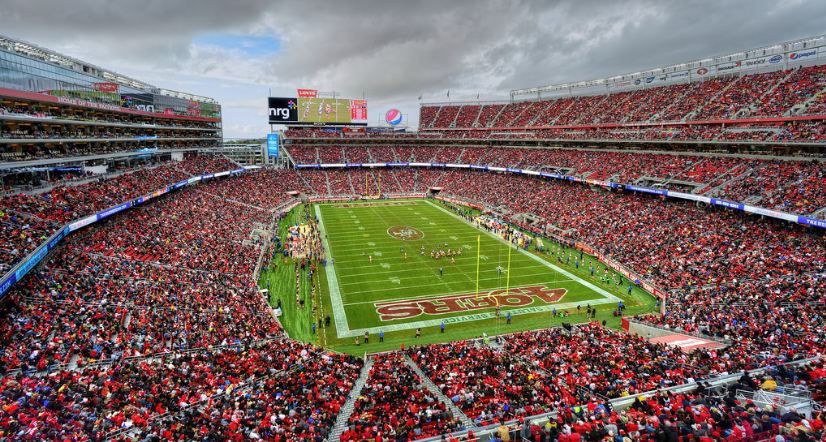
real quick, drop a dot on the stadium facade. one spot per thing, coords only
(53, 107)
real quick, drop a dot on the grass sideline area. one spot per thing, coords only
(398, 294)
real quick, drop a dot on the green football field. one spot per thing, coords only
(369, 285)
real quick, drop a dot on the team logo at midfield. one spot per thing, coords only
(405, 233)
(440, 305)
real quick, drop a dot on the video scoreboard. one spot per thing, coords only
(317, 111)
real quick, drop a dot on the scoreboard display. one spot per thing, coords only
(317, 111)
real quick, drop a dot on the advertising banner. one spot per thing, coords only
(802, 55)
(728, 68)
(105, 87)
(283, 110)
(308, 93)
(272, 145)
(761, 61)
(705, 71)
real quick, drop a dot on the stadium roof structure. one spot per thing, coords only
(33, 51)
(751, 59)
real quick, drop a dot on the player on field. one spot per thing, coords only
(306, 111)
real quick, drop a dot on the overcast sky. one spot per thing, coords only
(393, 51)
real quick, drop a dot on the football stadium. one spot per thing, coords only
(632, 249)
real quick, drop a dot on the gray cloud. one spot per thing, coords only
(396, 50)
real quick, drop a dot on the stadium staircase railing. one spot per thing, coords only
(347, 409)
(434, 389)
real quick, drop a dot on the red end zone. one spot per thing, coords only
(686, 343)
(439, 305)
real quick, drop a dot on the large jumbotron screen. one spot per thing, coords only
(317, 111)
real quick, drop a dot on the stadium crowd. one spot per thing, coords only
(164, 294)
(725, 97)
(150, 325)
(795, 186)
(394, 405)
(764, 300)
(26, 220)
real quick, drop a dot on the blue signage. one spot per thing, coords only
(272, 145)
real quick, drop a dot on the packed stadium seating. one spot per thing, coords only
(28, 219)
(794, 99)
(171, 296)
(649, 233)
(774, 94)
(794, 186)
(37, 130)
(394, 403)
(149, 324)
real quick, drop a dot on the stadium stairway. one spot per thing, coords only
(347, 409)
(437, 393)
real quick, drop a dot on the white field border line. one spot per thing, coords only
(332, 282)
(540, 260)
(472, 317)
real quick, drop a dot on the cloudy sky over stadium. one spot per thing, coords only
(393, 51)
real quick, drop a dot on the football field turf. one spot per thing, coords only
(394, 293)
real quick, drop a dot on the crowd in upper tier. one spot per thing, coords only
(93, 131)
(776, 94)
(781, 106)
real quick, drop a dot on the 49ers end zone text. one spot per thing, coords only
(440, 305)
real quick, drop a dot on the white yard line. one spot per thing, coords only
(332, 282)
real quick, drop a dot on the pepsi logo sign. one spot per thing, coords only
(805, 54)
(393, 117)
